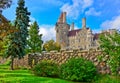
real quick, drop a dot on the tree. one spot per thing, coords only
(34, 39)
(3, 45)
(110, 44)
(6, 28)
(18, 40)
(5, 4)
(51, 45)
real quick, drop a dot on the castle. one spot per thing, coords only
(69, 38)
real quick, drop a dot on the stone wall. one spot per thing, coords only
(21, 62)
(2, 60)
(63, 56)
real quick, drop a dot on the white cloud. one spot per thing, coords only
(48, 32)
(92, 12)
(76, 27)
(112, 24)
(78, 6)
(96, 30)
(87, 3)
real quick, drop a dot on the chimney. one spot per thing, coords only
(64, 17)
(83, 22)
(59, 20)
(72, 26)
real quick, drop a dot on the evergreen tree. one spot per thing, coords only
(18, 40)
(34, 40)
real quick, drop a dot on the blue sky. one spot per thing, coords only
(100, 14)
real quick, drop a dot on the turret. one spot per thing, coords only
(72, 26)
(62, 30)
(83, 22)
(64, 17)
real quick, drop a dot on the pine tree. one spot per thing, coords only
(18, 40)
(34, 40)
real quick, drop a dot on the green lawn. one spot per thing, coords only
(24, 76)
(108, 79)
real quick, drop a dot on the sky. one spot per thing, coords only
(100, 14)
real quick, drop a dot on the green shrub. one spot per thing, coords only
(46, 69)
(78, 70)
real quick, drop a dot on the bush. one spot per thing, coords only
(78, 70)
(46, 69)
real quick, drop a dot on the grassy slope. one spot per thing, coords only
(108, 79)
(23, 76)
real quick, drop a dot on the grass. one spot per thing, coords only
(24, 76)
(108, 79)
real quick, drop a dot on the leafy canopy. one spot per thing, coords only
(51, 45)
(110, 44)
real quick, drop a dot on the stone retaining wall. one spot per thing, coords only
(63, 56)
(21, 62)
(2, 60)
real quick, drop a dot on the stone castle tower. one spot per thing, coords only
(70, 38)
(62, 29)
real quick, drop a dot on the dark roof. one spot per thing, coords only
(73, 32)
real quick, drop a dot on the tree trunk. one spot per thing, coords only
(12, 61)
